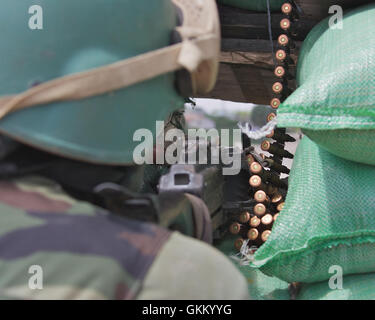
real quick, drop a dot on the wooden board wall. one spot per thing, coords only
(246, 72)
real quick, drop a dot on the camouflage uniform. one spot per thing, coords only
(87, 253)
(83, 106)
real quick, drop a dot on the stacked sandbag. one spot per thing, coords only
(328, 219)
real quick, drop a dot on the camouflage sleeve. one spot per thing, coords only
(54, 247)
(189, 269)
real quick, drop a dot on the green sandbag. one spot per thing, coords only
(335, 101)
(328, 219)
(256, 5)
(355, 287)
(261, 287)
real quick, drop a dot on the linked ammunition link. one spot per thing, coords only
(266, 187)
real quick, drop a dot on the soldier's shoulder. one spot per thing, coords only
(189, 269)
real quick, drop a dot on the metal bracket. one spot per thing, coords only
(182, 178)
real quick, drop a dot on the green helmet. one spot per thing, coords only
(77, 82)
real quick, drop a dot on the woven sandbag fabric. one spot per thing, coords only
(335, 100)
(328, 219)
(256, 5)
(355, 287)
(261, 287)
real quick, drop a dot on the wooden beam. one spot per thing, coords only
(250, 45)
(263, 60)
(259, 59)
(242, 82)
(244, 24)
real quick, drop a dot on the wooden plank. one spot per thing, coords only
(262, 60)
(239, 25)
(244, 24)
(251, 45)
(246, 45)
(243, 83)
(227, 87)
(246, 77)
